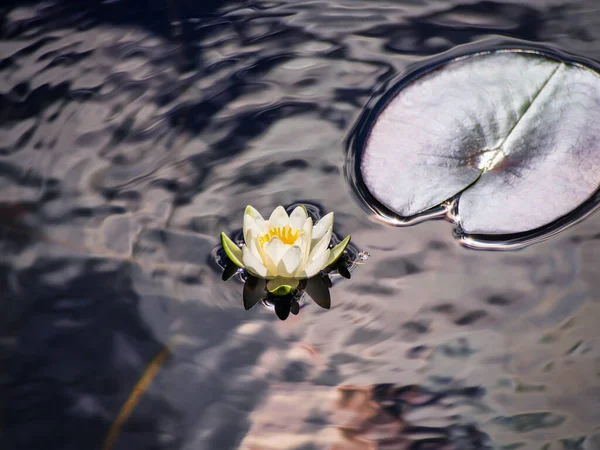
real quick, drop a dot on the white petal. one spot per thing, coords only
(251, 242)
(275, 248)
(298, 217)
(253, 264)
(253, 221)
(321, 228)
(320, 247)
(289, 262)
(301, 243)
(252, 212)
(307, 233)
(266, 259)
(279, 218)
(319, 263)
(250, 226)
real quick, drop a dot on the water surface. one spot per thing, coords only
(133, 133)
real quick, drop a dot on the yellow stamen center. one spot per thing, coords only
(287, 235)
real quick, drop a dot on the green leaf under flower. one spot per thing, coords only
(338, 250)
(282, 286)
(234, 253)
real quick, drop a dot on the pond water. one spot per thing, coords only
(132, 133)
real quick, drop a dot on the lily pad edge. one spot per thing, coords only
(448, 210)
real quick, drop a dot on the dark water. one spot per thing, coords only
(132, 133)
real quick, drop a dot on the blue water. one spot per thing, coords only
(132, 133)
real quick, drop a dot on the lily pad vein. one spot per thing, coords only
(498, 149)
(527, 108)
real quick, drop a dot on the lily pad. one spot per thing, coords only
(500, 143)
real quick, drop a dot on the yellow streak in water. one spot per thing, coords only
(139, 389)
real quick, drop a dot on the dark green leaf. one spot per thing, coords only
(282, 308)
(295, 308)
(230, 270)
(343, 271)
(317, 288)
(254, 291)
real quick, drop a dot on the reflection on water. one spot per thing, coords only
(355, 418)
(127, 145)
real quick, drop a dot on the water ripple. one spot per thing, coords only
(132, 133)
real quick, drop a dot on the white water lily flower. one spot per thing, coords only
(284, 249)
